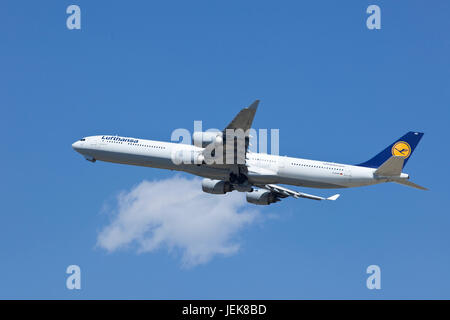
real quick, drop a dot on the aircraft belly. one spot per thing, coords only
(326, 180)
(289, 177)
(310, 183)
(263, 178)
(133, 159)
(206, 171)
(306, 178)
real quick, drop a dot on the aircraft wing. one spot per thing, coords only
(242, 122)
(283, 192)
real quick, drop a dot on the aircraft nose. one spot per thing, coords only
(76, 145)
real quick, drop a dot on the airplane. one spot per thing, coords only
(259, 175)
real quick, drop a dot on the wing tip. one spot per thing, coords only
(254, 105)
(334, 197)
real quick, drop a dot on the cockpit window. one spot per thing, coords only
(83, 139)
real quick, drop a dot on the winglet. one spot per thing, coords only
(334, 197)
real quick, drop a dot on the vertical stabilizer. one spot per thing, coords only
(403, 147)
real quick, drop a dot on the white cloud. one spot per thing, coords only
(176, 214)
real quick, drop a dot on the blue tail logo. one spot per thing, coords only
(402, 147)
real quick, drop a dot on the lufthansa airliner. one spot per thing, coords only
(226, 164)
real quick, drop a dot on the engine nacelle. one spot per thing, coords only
(261, 197)
(205, 138)
(216, 186)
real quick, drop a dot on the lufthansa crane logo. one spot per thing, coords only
(401, 148)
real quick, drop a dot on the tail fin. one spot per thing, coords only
(403, 147)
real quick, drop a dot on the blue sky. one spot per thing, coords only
(336, 90)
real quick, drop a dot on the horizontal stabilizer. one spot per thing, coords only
(410, 184)
(392, 167)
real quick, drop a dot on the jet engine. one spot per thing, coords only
(261, 197)
(205, 138)
(216, 186)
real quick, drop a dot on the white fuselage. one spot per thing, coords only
(262, 168)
